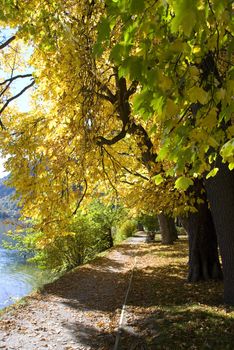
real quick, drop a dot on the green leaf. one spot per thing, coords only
(98, 49)
(183, 183)
(171, 108)
(117, 53)
(212, 173)
(103, 30)
(163, 153)
(133, 67)
(158, 103)
(227, 151)
(137, 6)
(141, 104)
(158, 179)
(185, 16)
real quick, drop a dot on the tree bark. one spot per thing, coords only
(220, 190)
(109, 238)
(140, 227)
(203, 247)
(173, 228)
(167, 228)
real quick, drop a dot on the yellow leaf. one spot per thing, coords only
(210, 120)
(171, 108)
(197, 94)
(212, 173)
(220, 94)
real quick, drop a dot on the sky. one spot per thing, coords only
(23, 102)
(2, 170)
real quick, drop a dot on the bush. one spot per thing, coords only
(149, 222)
(126, 230)
(89, 233)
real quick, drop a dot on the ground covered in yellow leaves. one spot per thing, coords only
(81, 310)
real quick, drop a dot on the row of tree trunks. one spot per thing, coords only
(220, 191)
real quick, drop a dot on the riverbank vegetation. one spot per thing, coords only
(92, 230)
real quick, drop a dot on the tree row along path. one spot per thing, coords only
(81, 310)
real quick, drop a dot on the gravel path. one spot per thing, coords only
(80, 311)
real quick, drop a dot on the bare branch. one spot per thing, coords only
(107, 174)
(10, 80)
(7, 42)
(103, 87)
(103, 141)
(132, 89)
(82, 197)
(105, 97)
(135, 173)
(16, 96)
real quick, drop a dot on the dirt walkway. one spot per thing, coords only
(79, 311)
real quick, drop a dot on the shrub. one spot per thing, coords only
(89, 233)
(126, 230)
(149, 222)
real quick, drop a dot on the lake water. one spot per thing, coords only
(17, 277)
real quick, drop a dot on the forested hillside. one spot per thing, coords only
(8, 206)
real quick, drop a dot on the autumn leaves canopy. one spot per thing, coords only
(131, 98)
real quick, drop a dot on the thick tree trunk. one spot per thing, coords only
(173, 228)
(140, 227)
(167, 228)
(203, 248)
(220, 191)
(109, 238)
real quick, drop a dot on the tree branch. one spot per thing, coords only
(105, 97)
(7, 42)
(10, 80)
(103, 141)
(82, 197)
(135, 173)
(132, 89)
(16, 96)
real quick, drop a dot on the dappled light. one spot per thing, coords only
(121, 173)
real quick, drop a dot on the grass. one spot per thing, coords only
(174, 314)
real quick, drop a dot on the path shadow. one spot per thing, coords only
(170, 329)
(102, 284)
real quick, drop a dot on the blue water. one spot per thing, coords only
(17, 277)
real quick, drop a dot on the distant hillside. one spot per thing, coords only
(4, 190)
(8, 206)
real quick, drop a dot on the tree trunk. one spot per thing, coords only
(203, 248)
(140, 226)
(173, 228)
(109, 238)
(167, 228)
(220, 190)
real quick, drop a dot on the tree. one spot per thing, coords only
(203, 247)
(222, 209)
(10, 63)
(167, 228)
(148, 106)
(181, 55)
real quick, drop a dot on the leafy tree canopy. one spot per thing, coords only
(136, 94)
